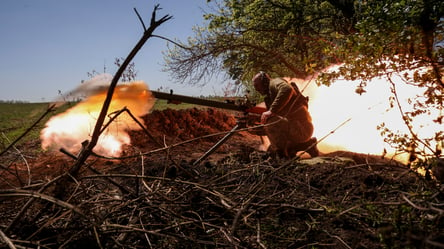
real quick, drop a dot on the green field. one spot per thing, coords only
(16, 118)
(162, 104)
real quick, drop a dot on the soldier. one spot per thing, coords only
(290, 126)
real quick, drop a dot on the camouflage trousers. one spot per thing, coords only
(286, 135)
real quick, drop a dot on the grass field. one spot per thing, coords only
(16, 118)
(162, 104)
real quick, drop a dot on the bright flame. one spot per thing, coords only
(356, 117)
(71, 128)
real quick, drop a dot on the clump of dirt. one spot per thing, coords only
(156, 197)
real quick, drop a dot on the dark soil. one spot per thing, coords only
(156, 196)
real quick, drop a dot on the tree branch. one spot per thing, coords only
(86, 152)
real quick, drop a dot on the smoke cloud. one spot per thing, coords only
(71, 128)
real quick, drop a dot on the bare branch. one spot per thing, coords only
(140, 19)
(19, 192)
(84, 154)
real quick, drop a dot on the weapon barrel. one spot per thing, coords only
(198, 101)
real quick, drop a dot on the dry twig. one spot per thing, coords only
(18, 192)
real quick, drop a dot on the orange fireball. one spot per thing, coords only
(69, 129)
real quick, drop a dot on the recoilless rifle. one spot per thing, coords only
(242, 105)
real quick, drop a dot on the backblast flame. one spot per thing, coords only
(348, 121)
(71, 128)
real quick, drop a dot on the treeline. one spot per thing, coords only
(14, 102)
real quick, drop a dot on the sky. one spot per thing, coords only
(48, 46)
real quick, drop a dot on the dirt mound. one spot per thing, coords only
(184, 124)
(189, 123)
(194, 130)
(361, 158)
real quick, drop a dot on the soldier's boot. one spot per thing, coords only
(310, 147)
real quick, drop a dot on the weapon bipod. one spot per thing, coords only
(241, 123)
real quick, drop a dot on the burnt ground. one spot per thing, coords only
(156, 197)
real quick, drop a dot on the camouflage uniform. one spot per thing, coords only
(291, 128)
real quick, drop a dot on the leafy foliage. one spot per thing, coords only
(298, 38)
(403, 39)
(281, 37)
